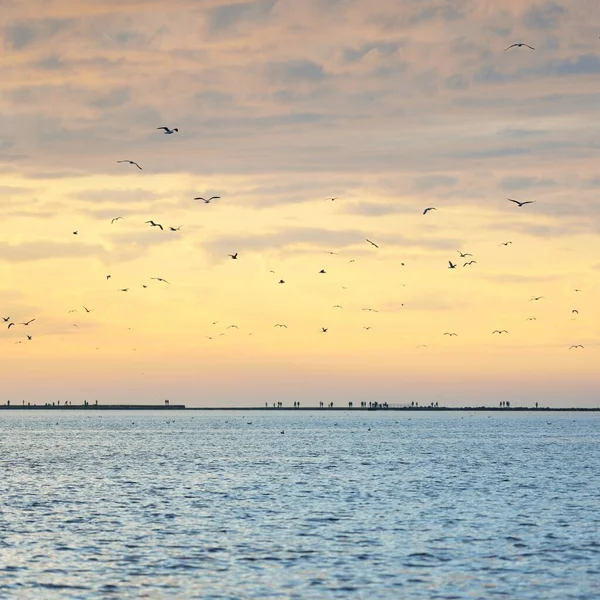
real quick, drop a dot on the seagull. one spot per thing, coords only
(281, 281)
(499, 331)
(29, 337)
(505, 243)
(575, 311)
(322, 271)
(577, 290)
(234, 326)
(280, 325)
(108, 277)
(153, 224)
(6, 319)
(208, 337)
(351, 261)
(27, 323)
(75, 232)
(372, 243)
(521, 203)
(535, 298)
(452, 265)
(10, 325)
(531, 319)
(472, 262)
(337, 306)
(208, 200)
(464, 254)
(367, 328)
(233, 256)
(160, 279)
(519, 45)
(169, 131)
(175, 228)
(324, 329)
(88, 310)
(124, 290)
(131, 162)
(576, 346)
(331, 199)
(115, 219)
(370, 309)
(329, 252)
(428, 209)
(451, 334)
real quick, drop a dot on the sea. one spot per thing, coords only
(300, 505)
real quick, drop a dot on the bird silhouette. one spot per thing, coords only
(160, 279)
(576, 346)
(175, 228)
(124, 290)
(372, 243)
(27, 322)
(451, 334)
(153, 224)
(536, 298)
(505, 243)
(519, 45)
(281, 281)
(500, 331)
(428, 209)
(464, 254)
(131, 162)
(471, 262)
(115, 219)
(233, 256)
(452, 265)
(169, 131)
(280, 325)
(324, 329)
(322, 271)
(520, 204)
(88, 310)
(6, 319)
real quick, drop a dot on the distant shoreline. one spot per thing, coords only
(182, 407)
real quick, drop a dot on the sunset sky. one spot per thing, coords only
(390, 106)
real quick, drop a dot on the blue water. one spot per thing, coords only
(340, 505)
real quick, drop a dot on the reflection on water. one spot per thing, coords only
(299, 505)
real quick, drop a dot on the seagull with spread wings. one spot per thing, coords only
(153, 224)
(131, 162)
(169, 131)
(372, 243)
(208, 200)
(520, 204)
(519, 45)
(428, 209)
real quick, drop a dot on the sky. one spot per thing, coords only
(391, 107)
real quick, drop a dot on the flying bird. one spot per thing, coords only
(518, 45)
(576, 346)
(337, 306)
(131, 162)
(234, 326)
(331, 199)
(428, 209)
(452, 265)
(27, 323)
(521, 203)
(175, 228)
(575, 311)
(160, 279)
(29, 337)
(169, 131)
(108, 277)
(329, 252)
(281, 281)
(88, 310)
(531, 319)
(124, 290)
(233, 256)
(370, 309)
(153, 224)
(351, 261)
(500, 331)
(464, 254)
(6, 319)
(322, 271)
(75, 233)
(280, 325)
(535, 298)
(324, 329)
(451, 334)
(472, 262)
(115, 219)
(10, 325)
(208, 200)
(505, 243)
(367, 328)
(372, 243)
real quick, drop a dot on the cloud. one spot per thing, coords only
(20, 35)
(431, 182)
(222, 18)
(544, 16)
(43, 250)
(297, 70)
(377, 209)
(518, 182)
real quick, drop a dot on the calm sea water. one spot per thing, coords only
(341, 505)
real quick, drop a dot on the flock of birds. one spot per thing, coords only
(235, 255)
